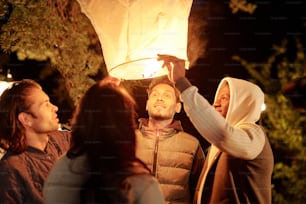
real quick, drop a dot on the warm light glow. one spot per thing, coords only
(9, 76)
(139, 69)
(133, 32)
(4, 85)
(263, 107)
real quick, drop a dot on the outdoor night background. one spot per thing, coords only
(252, 37)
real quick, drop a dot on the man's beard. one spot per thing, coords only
(160, 117)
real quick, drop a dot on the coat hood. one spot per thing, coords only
(246, 100)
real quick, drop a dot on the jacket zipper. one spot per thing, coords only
(155, 154)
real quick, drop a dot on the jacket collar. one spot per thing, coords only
(164, 133)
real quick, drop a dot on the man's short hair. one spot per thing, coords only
(163, 80)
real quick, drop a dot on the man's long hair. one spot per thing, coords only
(12, 102)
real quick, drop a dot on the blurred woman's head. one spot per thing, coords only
(104, 125)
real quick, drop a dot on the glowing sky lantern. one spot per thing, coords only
(133, 32)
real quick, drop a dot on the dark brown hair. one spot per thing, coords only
(12, 102)
(103, 127)
(163, 80)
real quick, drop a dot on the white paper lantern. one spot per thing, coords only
(133, 32)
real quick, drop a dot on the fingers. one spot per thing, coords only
(169, 58)
(174, 61)
(169, 66)
(170, 75)
(176, 66)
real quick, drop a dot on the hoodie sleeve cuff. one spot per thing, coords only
(182, 84)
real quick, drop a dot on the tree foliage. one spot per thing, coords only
(54, 31)
(285, 124)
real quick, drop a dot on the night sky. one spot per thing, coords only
(249, 36)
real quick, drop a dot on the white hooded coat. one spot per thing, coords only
(239, 165)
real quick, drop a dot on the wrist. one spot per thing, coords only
(182, 83)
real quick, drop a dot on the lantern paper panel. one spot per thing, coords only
(133, 32)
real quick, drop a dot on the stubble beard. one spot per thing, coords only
(159, 117)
